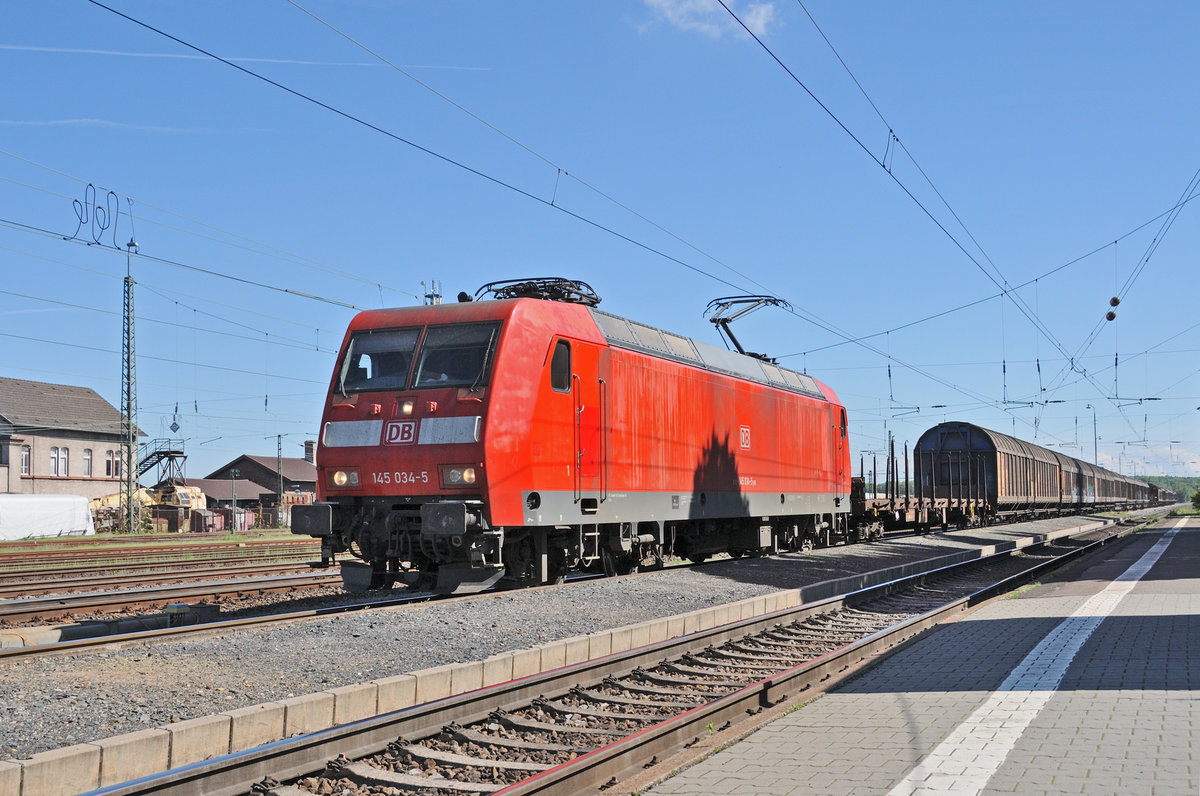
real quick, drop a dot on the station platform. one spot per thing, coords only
(1088, 684)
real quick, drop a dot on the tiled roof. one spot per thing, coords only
(36, 405)
(293, 469)
(222, 489)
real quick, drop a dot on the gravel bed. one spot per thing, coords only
(59, 701)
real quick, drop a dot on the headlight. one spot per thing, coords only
(344, 478)
(458, 476)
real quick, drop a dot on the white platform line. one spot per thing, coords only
(973, 752)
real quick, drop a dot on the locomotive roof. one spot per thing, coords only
(624, 333)
(1019, 447)
(617, 331)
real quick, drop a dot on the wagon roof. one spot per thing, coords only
(1019, 447)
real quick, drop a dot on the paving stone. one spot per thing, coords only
(1122, 718)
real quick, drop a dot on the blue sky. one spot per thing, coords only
(652, 149)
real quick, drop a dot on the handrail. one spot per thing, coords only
(603, 440)
(576, 391)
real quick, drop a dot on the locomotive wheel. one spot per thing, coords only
(557, 567)
(520, 565)
(699, 558)
(807, 544)
(736, 554)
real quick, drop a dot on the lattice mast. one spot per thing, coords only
(130, 505)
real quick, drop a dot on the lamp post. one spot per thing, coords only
(1095, 453)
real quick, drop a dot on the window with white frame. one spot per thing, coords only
(54, 461)
(64, 469)
(87, 462)
(108, 464)
(25, 457)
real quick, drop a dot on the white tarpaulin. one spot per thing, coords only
(44, 515)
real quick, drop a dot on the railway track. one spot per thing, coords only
(585, 726)
(65, 605)
(32, 587)
(41, 563)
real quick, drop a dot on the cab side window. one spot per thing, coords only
(560, 367)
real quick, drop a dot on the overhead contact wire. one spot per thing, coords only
(1003, 287)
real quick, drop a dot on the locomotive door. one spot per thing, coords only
(590, 391)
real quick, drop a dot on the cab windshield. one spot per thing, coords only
(378, 360)
(456, 356)
(449, 356)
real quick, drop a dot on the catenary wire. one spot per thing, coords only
(276, 341)
(1000, 283)
(994, 296)
(265, 249)
(805, 316)
(17, 225)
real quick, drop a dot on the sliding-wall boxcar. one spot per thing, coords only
(978, 472)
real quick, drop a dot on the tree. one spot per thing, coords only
(1196, 500)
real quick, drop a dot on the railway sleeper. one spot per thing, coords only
(767, 643)
(741, 653)
(649, 690)
(803, 647)
(767, 652)
(613, 699)
(705, 670)
(467, 735)
(816, 632)
(687, 682)
(418, 752)
(530, 725)
(563, 709)
(368, 775)
(272, 788)
(738, 667)
(829, 636)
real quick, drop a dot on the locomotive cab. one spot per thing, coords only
(400, 462)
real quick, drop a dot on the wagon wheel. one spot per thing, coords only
(618, 564)
(420, 581)
(384, 572)
(656, 558)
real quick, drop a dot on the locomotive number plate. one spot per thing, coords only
(400, 477)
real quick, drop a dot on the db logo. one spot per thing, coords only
(400, 432)
(745, 438)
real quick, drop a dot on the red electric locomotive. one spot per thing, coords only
(514, 439)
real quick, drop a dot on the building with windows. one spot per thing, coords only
(56, 439)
